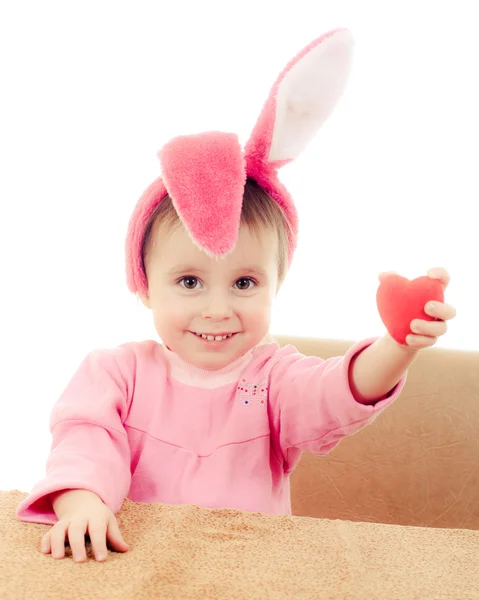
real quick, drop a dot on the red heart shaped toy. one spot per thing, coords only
(400, 300)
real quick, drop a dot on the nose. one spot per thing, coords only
(217, 307)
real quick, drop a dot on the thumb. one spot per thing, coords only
(113, 535)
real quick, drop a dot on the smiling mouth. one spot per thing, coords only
(211, 338)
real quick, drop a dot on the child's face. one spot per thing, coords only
(191, 293)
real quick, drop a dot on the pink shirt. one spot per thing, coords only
(137, 421)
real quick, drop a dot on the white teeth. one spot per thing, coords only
(217, 338)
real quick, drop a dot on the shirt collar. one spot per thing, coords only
(187, 373)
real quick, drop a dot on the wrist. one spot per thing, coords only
(396, 347)
(64, 500)
(375, 370)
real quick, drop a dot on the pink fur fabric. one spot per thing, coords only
(135, 274)
(205, 175)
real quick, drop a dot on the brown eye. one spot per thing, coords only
(243, 284)
(189, 282)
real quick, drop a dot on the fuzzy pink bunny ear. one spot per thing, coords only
(205, 176)
(302, 98)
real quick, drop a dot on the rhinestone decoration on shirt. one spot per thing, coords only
(250, 393)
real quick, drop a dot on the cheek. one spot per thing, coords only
(170, 309)
(259, 310)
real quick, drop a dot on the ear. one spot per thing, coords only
(145, 300)
(302, 98)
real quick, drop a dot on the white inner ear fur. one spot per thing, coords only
(308, 93)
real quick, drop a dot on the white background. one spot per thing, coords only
(91, 90)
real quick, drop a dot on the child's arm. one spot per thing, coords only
(375, 371)
(312, 404)
(90, 447)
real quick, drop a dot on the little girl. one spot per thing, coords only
(213, 415)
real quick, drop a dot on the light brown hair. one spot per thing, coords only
(259, 212)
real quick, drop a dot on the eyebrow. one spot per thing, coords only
(190, 269)
(253, 269)
(184, 269)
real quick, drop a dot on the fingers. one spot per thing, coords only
(99, 531)
(428, 328)
(46, 546)
(441, 274)
(114, 536)
(440, 310)
(76, 538)
(420, 341)
(54, 540)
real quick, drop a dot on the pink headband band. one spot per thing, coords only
(205, 174)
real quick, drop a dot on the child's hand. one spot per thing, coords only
(81, 512)
(427, 332)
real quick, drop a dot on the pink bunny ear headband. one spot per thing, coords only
(205, 174)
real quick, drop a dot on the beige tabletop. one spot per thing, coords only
(185, 552)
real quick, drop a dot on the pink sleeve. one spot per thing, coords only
(90, 448)
(314, 402)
